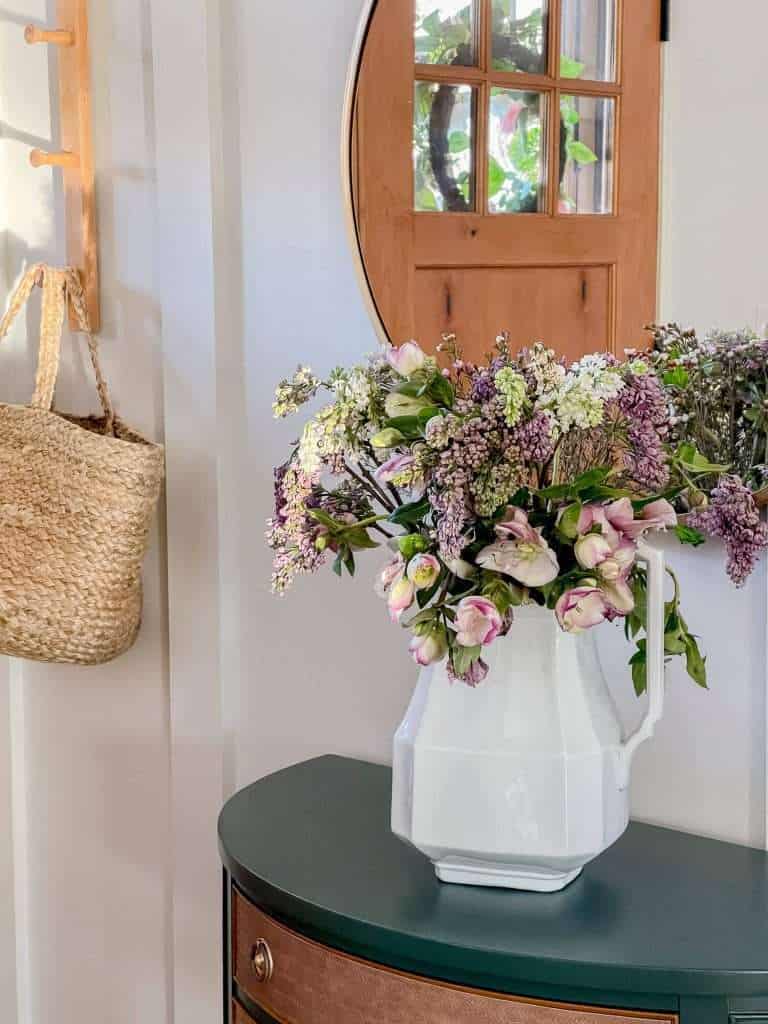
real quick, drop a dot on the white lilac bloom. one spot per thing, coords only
(355, 388)
(580, 399)
(310, 458)
(512, 387)
(324, 438)
(294, 392)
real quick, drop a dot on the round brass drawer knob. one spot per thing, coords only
(261, 959)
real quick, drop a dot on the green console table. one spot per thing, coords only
(329, 919)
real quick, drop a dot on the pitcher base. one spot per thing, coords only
(499, 876)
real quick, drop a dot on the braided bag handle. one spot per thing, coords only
(62, 289)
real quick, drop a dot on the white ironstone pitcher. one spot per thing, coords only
(521, 782)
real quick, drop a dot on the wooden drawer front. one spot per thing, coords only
(315, 985)
(239, 1016)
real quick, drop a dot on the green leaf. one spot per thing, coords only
(420, 618)
(690, 458)
(580, 153)
(568, 526)
(591, 478)
(503, 594)
(604, 493)
(569, 114)
(423, 597)
(570, 68)
(463, 657)
(639, 671)
(695, 663)
(349, 561)
(677, 378)
(689, 535)
(425, 199)
(411, 512)
(441, 390)
(496, 177)
(458, 142)
(674, 643)
(338, 565)
(409, 426)
(326, 520)
(555, 493)
(359, 539)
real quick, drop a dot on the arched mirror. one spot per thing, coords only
(504, 169)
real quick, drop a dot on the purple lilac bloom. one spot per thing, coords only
(535, 439)
(479, 441)
(643, 404)
(483, 385)
(291, 533)
(734, 517)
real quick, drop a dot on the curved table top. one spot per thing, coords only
(661, 914)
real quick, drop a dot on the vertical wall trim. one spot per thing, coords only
(186, 75)
(20, 834)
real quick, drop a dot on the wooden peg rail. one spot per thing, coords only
(75, 158)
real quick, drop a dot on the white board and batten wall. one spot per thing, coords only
(225, 262)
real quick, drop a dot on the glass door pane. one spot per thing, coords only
(516, 152)
(443, 147)
(519, 36)
(445, 32)
(587, 154)
(588, 42)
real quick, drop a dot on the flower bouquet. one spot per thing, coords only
(518, 481)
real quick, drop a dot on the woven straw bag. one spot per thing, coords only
(77, 498)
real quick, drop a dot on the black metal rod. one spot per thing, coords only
(665, 18)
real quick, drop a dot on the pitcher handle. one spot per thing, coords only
(654, 560)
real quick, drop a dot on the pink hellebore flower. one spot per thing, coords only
(619, 563)
(523, 554)
(592, 550)
(429, 648)
(407, 359)
(475, 674)
(401, 597)
(423, 571)
(512, 116)
(393, 467)
(532, 563)
(613, 519)
(388, 575)
(581, 608)
(478, 622)
(619, 595)
(516, 526)
(464, 570)
(595, 551)
(656, 516)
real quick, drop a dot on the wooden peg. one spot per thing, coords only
(54, 36)
(39, 158)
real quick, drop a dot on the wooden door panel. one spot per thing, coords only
(533, 263)
(567, 307)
